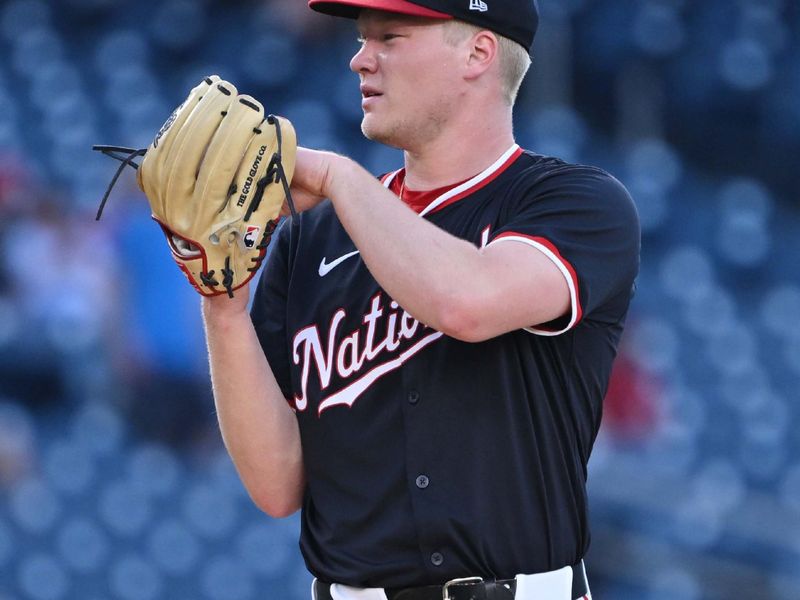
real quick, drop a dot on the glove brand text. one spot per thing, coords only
(248, 183)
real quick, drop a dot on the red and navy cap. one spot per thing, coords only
(514, 19)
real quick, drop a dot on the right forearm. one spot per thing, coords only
(258, 427)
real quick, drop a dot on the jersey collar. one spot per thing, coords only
(447, 195)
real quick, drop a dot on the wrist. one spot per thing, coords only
(222, 306)
(341, 171)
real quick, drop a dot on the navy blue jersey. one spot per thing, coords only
(428, 458)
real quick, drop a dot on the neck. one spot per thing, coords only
(460, 151)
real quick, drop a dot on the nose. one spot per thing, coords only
(364, 60)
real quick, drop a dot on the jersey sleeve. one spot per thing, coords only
(268, 311)
(584, 221)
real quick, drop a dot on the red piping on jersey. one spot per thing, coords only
(578, 309)
(419, 200)
(393, 177)
(481, 184)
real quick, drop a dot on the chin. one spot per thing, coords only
(375, 133)
(380, 133)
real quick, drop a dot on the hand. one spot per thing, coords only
(313, 173)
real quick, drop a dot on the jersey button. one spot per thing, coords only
(437, 559)
(423, 482)
(413, 396)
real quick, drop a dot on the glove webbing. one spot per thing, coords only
(112, 151)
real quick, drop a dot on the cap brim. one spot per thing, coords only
(351, 8)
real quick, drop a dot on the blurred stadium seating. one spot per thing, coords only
(113, 481)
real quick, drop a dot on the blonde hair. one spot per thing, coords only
(514, 60)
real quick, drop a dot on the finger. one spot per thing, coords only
(163, 141)
(289, 147)
(228, 151)
(151, 175)
(192, 141)
(254, 167)
(288, 155)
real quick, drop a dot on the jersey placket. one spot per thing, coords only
(423, 488)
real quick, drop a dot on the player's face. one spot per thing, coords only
(409, 78)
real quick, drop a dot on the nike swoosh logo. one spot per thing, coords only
(325, 267)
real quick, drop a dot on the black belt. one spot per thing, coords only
(468, 588)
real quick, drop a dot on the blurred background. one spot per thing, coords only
(113, 479)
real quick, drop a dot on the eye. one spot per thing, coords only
(385, 37)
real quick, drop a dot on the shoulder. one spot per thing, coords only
(537, 168)
(547, 178)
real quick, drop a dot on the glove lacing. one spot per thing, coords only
(127, 159)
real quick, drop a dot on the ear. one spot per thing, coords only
(483, 50)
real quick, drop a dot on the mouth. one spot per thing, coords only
(369, 98)
(369, 92)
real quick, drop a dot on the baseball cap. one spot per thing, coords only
(514, 19)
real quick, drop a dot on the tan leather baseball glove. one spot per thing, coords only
(216, 176)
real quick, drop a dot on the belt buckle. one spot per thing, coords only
(459, 581)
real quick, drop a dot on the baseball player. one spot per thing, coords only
(423, 368)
